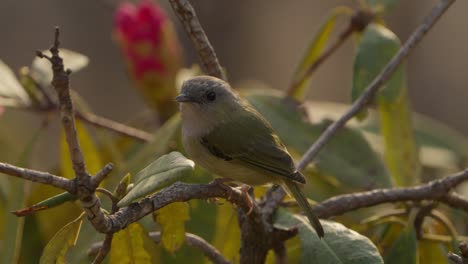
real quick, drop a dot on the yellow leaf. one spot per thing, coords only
(172, 220)
(90, 151)
(401, 149)
(227, 237)
(57, 248)
(431, 252)
(128, 246)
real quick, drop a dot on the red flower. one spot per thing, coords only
(151, 50)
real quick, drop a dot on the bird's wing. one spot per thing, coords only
(250, 141)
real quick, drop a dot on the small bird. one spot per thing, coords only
(224, 134)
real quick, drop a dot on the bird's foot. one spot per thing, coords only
(245, 190)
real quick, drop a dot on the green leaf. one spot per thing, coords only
(348, 158)
(404, 249)
(12, 92)
(57, 248)
(90, 152)
(340, 244)
(47, 204)
(128, 246)
(172, 219)
(315, 49)
(376, 48)
(160, 173)
(17, 197)
(41, 70)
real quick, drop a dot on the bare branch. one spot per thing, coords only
(38, 176)
(101, 175)
(60, 82)
(436, 190)
(187, 16)
(368, 95)
(84, 185)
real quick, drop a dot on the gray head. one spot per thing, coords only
(205, 90)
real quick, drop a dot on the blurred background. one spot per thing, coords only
(255, 40)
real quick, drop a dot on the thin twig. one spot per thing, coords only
(187, 16)
(369, 93)
(114, 126)
(101, 175)
(191, 239)
(358, 22)
(104, 249)
(37, 176)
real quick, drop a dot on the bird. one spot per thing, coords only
(224, 134)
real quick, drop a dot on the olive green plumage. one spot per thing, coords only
(226, 135)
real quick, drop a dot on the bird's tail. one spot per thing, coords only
(305, 206)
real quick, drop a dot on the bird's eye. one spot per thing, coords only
(211, 96)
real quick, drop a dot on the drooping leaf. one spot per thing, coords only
(172, 219)
(57, 248)
(160, 173)
(401, 149)
(41, 69)
(404, 249)
(430, 252)
(11, 92)
(46, 204)
(347, 158)
(128, 246)
(376, 48)
(315, 49)
(339, 245)
(17, 197)
(90, 152)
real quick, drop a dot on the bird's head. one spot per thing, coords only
(207, 97)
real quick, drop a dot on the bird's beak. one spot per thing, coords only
(181, 98)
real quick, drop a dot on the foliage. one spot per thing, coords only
(386, 146)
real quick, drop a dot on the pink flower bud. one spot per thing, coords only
(151, 50)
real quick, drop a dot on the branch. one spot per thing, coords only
(368, 95)
(206, 53)
(436, 190)
(60, 82)
(463, 257)
(84, 185)
(38, 176)
(191, 239)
